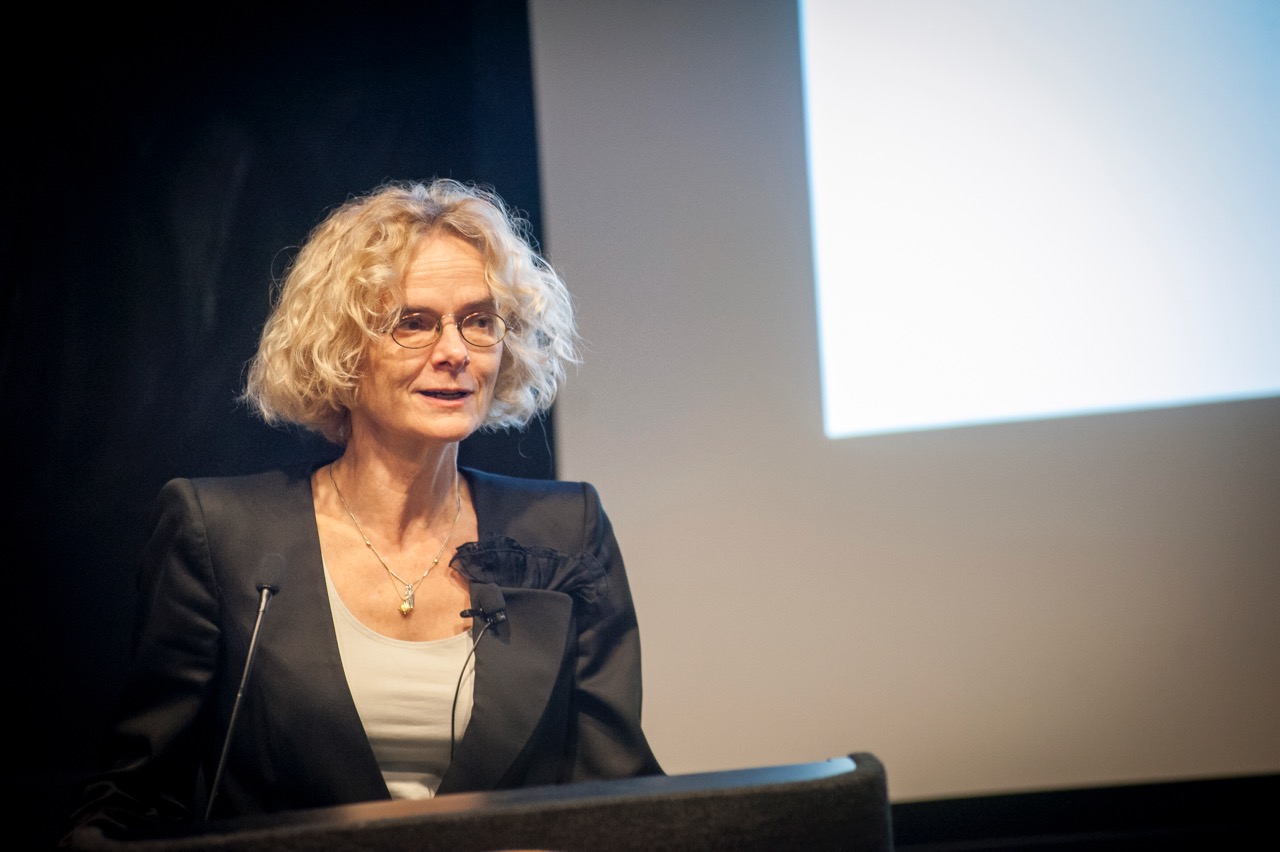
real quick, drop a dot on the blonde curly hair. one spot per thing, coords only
(345, 286)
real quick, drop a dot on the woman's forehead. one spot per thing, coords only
(444, 265)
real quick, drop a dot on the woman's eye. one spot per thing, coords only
(415, 322)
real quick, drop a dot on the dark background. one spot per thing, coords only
(161, 172)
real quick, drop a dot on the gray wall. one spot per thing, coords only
(1070, 602)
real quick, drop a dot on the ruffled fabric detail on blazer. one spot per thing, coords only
(505, 562)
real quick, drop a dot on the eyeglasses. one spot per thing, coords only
(419, 330)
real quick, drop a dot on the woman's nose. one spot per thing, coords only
(451, 348)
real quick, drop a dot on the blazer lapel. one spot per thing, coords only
(298, 655)
(520, 664)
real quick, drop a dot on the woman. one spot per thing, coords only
(421, 629)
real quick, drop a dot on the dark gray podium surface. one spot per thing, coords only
(837, 804)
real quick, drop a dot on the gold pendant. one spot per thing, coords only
(406, 606)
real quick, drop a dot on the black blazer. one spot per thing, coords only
(557, 684)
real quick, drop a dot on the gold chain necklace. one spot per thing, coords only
(406, 597)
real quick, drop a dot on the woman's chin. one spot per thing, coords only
(451, 429)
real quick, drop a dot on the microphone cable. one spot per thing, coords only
(453, 713)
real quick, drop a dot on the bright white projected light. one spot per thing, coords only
(1035, 208)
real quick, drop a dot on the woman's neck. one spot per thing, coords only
(398, 493)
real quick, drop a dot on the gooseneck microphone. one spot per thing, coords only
(491, 607)
(270, 570)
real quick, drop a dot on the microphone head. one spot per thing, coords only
(490, 599)
(271, 569)
(490, 604)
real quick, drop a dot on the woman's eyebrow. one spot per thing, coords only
(463, 310)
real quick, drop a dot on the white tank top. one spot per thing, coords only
(404, 693)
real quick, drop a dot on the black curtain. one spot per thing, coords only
(160, 170)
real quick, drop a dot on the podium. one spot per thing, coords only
(837, 804)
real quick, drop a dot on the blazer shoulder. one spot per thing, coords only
(230, 506)
(495, 489)
(561, 514)
(265, 483)
(255, 491)
(525, 485)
